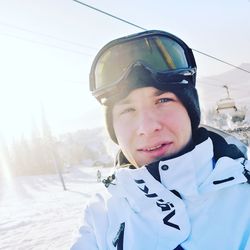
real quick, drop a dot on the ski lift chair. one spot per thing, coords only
(226, 104)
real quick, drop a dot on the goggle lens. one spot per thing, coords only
(158, 52)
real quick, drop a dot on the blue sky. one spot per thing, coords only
(47, 47)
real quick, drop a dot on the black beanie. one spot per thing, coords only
(141, 77)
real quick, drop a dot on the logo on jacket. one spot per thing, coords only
(163, 205)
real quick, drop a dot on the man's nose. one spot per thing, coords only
(148, 123)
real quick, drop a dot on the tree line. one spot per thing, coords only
(45, 154)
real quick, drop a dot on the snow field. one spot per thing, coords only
(36, 213)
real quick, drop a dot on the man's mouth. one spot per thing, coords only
(155, 151)
(154, 148)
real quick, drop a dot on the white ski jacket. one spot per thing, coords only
(197, 205)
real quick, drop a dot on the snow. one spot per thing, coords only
(36, 213)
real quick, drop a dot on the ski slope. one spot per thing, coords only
(36, 213)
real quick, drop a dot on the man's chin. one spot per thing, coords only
(159, 158)
(167, 156)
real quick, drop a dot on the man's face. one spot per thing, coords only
(150, 124)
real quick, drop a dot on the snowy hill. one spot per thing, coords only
(37, 214)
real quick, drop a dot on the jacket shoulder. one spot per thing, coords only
(92, 232)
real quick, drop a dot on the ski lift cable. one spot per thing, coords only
(222, 61)
(45, 44)
(46, 35)
(137, 26)
(108, 14)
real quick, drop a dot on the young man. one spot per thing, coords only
(176, 186)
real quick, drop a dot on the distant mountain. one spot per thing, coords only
(234, 75)
(211, 88)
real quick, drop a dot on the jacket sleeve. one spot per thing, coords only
(86, 239)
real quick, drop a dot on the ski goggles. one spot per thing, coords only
(168, 58)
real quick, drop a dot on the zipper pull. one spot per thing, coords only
(118, 240)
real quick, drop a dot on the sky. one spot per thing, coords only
(47, 47)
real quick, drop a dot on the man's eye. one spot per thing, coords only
(127, 110)
(162, 100)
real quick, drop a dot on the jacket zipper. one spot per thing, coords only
(118, 240)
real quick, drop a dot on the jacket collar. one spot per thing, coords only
(220, 148)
